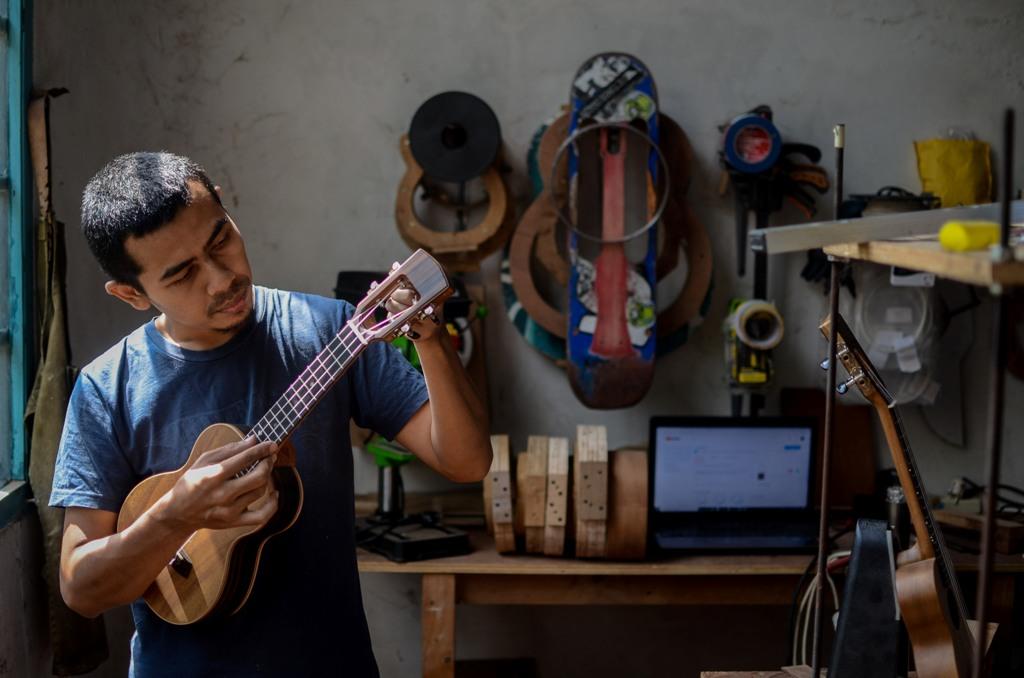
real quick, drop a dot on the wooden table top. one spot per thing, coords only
(485, 560)
(976, 268)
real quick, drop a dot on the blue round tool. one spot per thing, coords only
(752, 144)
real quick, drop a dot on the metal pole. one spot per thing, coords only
(830, 403)
(995, 429)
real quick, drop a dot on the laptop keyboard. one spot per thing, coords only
(739, 535)
(737, 529)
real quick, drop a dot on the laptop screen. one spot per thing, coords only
(726, 463)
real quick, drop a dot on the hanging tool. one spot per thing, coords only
(765, 173)
(393, 533)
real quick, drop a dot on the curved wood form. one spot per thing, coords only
(537, 235)
(540, 214)
(214, 570)
(627, 505)
(590, 491)
(683, 231)
(457, 250)
(557, 500)
(688, 305)
(536, 238)
(498, 497)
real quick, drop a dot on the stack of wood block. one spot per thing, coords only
(596, 510)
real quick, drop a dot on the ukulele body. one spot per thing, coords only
(214, 571)
(941, 641)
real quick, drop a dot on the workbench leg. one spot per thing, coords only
(438, 625)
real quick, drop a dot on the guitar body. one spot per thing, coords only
(215, 569)
(941, 640)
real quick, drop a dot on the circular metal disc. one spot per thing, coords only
(454, 136)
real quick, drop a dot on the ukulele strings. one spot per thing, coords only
(275, 425)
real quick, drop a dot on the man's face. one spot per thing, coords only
(195, 271)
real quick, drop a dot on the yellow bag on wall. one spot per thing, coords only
(958, 171)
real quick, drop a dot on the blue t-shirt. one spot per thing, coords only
(137, 410)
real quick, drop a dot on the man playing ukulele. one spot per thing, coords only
(223, 350)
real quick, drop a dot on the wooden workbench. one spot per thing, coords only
(485, 577)
(925, 254)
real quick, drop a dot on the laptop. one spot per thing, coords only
(733, 484)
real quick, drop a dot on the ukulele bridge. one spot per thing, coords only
(181, 563)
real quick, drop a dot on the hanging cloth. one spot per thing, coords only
(79, 644)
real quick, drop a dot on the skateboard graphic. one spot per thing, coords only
(613, 171)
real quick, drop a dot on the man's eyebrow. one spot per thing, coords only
(178, 268)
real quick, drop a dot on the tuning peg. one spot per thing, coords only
(405, 328)
(839, 354)
(374, 285)
(845, 386)
(429, 310)
(395, 266)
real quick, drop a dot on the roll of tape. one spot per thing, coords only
(752, 144)
(758, 324)
(454, 136)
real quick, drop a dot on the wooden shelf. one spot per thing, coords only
(485, 560)
(975, 268)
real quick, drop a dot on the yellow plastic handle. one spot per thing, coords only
(964, 236)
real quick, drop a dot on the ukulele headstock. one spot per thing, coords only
(420, 273)
(862, 373)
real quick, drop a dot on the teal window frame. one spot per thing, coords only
(17, 194)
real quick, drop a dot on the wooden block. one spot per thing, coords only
(967, 527)
(534, 493)
(556, 511)
(590, 490)
(498, 496)
(627, 505)
(518, 505)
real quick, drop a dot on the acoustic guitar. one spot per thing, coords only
(926, 587)
(214, 570)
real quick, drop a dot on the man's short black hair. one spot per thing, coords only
(135, 194)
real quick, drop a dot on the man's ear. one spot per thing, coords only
(129, 294)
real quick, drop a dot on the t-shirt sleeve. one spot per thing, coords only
(91, 469)
(387, 390)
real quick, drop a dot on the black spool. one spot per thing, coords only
(454, 136)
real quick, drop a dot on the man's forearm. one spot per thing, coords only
(114, 570)
(459, 431)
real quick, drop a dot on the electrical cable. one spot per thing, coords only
(805, 613)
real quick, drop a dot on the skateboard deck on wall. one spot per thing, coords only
(612, 175)
(536, 259)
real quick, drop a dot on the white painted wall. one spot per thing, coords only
(296, 109)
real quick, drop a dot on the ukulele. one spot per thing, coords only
(214, 570)
(926, 587)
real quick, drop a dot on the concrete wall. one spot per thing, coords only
(296, 109)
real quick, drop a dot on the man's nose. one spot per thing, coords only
(219, 279)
